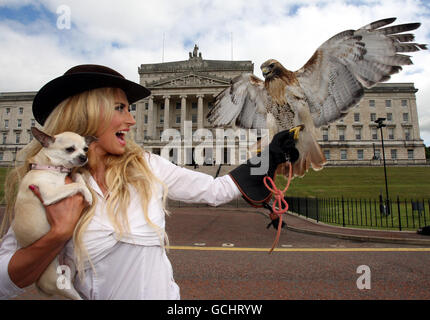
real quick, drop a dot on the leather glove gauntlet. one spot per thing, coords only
(281, 149)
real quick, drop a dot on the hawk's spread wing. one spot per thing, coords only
(242, 104)
(334, 77)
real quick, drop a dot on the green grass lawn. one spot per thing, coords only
(355, 183)
(361, 183)
(350, 182)
(360, 188)
(3, 172)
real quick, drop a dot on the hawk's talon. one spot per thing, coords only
(296, 131)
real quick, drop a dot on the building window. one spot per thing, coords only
(377, 154)
(194, 118)
(410, 154)
(358, 133)
(325, 134)
(391, 133)
(178, 119)
(21, 110)
(356, 117)
(4, 137)
(394, 154)
(146, 105)
(374, 134)
(343, 154)
(372, 116)
(371, 103)
(145, 134)
(360, 154)
(162, 118)
(162, 106)
(19, 124)
(145, 119)
(388, 103)
(194, 105)
(341, 134)
(7, 110)
(389, 117)
(327, 154)
(6, 124)
(178, 106)
(243, 155)
(18, 137)
(407, 134)
(404, 103)
(1, 156)
(406, 117)
(133, 107)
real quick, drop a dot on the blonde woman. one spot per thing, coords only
(118, 243)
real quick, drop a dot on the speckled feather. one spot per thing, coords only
(322, 91)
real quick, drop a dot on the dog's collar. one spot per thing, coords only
(35, 166)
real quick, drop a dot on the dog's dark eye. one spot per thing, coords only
(70, 149)
(85, 149)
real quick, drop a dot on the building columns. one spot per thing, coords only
(200, 110)
(183, 112)
(166, 112)
(140, 107)
(151, 118)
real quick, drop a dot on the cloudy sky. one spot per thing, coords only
(41, 39)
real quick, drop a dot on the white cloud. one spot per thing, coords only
(260, 29)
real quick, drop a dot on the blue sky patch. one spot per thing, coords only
(27, 14)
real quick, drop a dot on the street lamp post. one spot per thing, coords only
(381, 124)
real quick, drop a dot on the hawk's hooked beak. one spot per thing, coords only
(265, 71)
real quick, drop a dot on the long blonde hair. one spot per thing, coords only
(84, 114)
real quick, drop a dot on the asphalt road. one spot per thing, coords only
(223, 254)
(215, 255)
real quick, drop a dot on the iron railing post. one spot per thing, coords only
(343, 213)
(398, 210)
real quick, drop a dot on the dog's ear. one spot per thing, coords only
(44, 139)
(90, 139)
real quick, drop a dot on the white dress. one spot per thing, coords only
(134, 266)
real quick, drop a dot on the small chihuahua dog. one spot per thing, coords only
(49, 168)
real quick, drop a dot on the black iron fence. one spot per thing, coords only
(405, 214)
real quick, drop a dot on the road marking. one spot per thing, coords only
(302, 249)
(228, 244)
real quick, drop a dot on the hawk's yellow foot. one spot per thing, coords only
(296, 131)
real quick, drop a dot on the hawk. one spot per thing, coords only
(331, 82)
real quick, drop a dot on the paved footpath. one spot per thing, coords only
(301, 224)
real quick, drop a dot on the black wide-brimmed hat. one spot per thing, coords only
(79, 79)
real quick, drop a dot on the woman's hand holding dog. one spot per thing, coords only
(63, 215)
(27, 264)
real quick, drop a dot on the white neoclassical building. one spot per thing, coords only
(184, 91)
